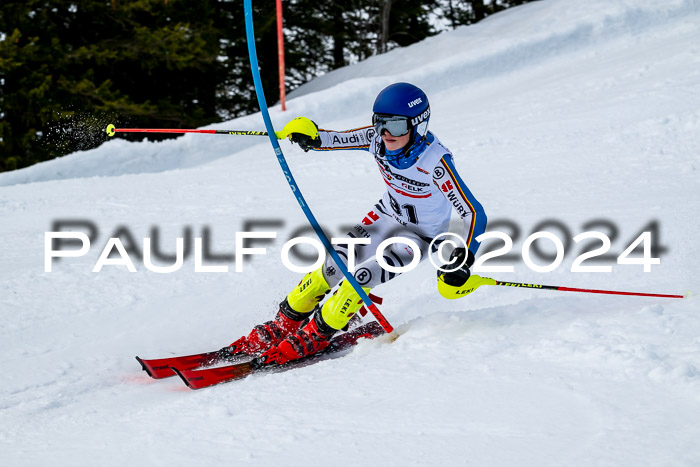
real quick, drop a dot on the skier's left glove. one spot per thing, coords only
(458, 277)
(303, 132)
(305, 142)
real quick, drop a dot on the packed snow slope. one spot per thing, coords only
(583, 114)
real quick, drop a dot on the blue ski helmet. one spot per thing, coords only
(407, 100)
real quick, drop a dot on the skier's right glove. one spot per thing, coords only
(458, 277)
(303, 132)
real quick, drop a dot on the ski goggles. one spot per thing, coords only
(396, 125)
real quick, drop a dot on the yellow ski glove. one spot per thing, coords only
(302, 131)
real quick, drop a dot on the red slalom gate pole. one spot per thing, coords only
(280, 54)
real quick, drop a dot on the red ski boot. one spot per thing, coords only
(313, 337)
(307, 341)
(299, 305)
(271, 333)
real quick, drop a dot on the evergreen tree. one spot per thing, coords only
(152, 62)
(67, 68)
(464, 12)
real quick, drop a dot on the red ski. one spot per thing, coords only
(159, 368)
(197, 379)
(162, 367)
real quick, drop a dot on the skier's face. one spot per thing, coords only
(393, 143)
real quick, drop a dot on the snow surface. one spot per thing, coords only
(559, 109)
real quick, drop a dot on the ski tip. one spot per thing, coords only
(207, 377)
(144, 367)
(110, 130)
(182, 377)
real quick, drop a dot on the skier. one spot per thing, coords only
(423, 187)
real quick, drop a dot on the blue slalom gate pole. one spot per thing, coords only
(250, 37)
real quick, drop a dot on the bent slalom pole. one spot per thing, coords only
(111, 131)
(474, 282)
(250, 37)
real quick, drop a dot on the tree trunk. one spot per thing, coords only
(386, 14)
(479, 10)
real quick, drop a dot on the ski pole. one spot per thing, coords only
(474, 282)
(574, 289)
(111, 131)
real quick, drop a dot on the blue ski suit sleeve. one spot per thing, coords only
(466, 204)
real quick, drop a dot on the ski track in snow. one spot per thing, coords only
(574, 111)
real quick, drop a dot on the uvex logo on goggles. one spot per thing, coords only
(396, 125)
